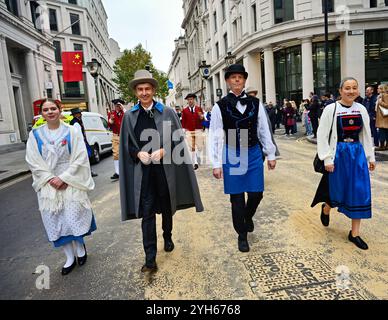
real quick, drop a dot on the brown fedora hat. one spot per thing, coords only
(143, 76)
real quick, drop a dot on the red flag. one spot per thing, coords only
(72, 66)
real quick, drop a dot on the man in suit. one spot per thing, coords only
(151, 181)
(192, 118)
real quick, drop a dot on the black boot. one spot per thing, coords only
(169, 245)
(243, 244)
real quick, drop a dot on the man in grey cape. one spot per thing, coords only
(156, 173)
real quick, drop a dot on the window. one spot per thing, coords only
(330, 6)
(373, 3)
(223, 10)
(288, 73)
(215, 21)
(235, 30)
(254, 17)
(35, 14)
(386, 3)
(12, 6)
(76, 27)
(58, 51)
(105, 124)
(205, 4)
(71, 89)
(73, 1)
(53, 20)
(284, 10)
(334, 66)
(376, 56)
(217, 51)
(226, 43)
(79, 47)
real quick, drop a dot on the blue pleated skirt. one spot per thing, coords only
(349, 185)
(68, 239)
(243, 170)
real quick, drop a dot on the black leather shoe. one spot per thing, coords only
(66, 271)
(149, 267)
(325, 219)
(94, 174)
(115, 177)
(82, 260)
(250, 225)
(243, 245)
(169, 246)
(358, 242)
(196, 167)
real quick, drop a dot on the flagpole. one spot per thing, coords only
(63, 31)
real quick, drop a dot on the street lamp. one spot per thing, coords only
(205, 74)
(95, 68)
(230, 59)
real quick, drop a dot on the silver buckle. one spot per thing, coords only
(348, 140)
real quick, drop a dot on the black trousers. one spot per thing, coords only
(244, 210)
(315, 125)
(155, 197)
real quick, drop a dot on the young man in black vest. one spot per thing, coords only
(238, 125)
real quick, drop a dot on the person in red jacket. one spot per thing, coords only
(115, 119)
(192, 118)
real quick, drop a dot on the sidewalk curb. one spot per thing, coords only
(13, 176)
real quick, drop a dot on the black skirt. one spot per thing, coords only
(323, 192)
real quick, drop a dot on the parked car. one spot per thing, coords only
(97, 132)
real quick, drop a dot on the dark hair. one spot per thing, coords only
(56, 102)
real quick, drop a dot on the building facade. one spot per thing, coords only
(282, 43)
(27, 68)
(81, 25)
(33, 35)
(178, 75)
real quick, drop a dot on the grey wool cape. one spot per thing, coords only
(181, 179)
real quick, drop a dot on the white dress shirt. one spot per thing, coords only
(217, 135)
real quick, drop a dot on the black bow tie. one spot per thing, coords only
(243, 99)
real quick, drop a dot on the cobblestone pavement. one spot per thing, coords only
(292, 255)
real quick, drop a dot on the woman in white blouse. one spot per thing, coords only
(58, 160)
(348, 158)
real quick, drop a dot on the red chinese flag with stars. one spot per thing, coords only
(72, 66)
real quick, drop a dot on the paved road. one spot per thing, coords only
(292, 256)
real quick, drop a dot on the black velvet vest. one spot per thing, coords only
(240, 129)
